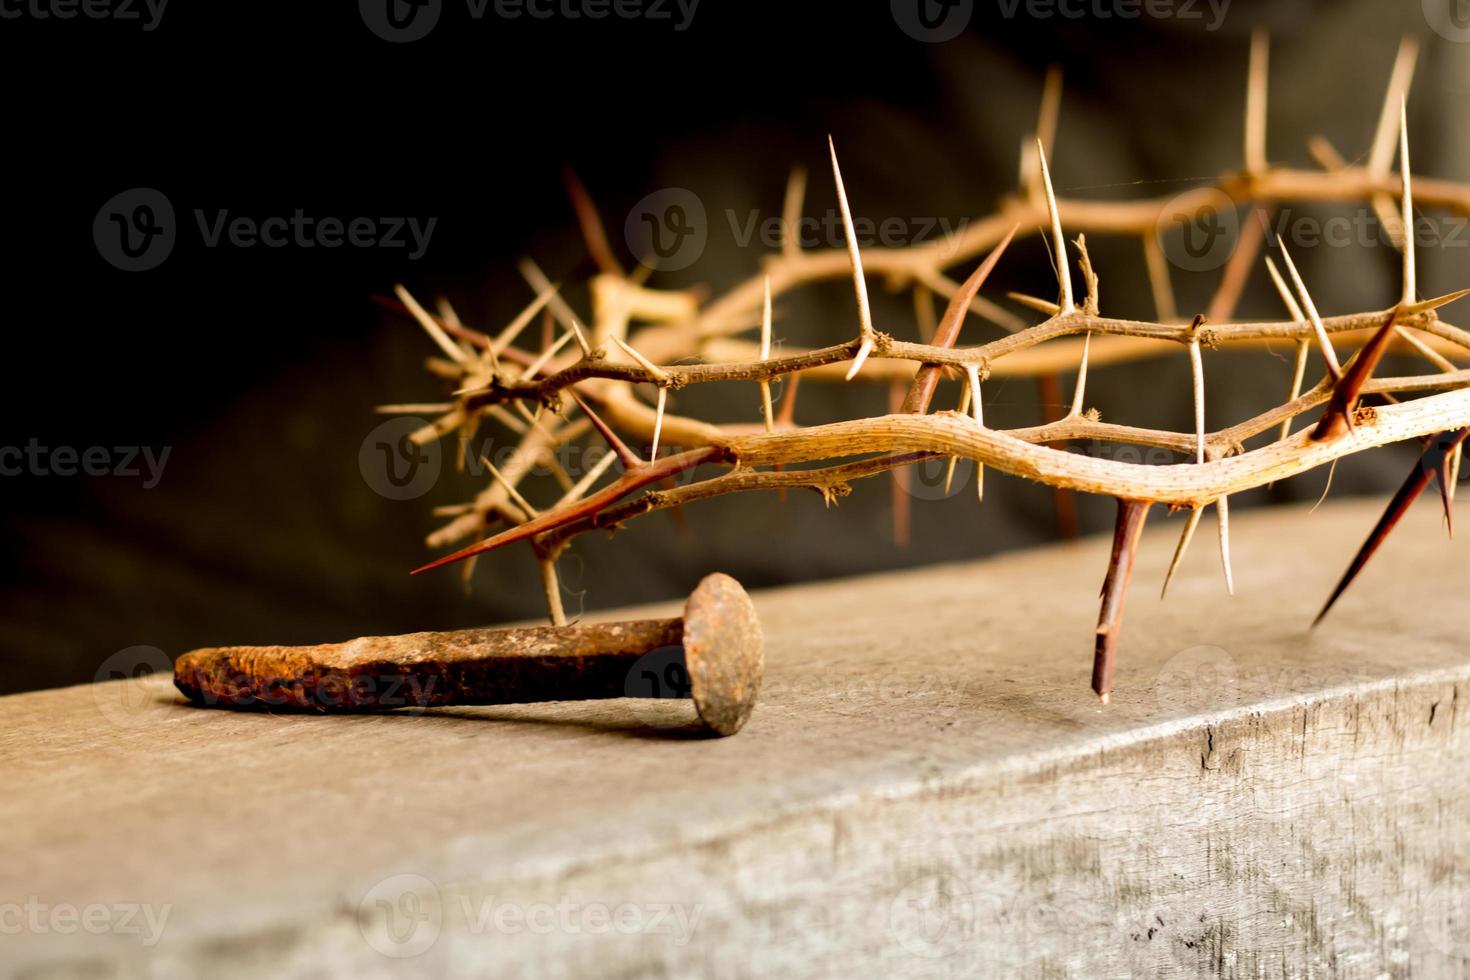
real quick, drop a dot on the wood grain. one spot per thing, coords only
(933, 795)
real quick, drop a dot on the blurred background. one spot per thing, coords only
(212, 411)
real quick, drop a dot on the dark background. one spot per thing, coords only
(258, 368)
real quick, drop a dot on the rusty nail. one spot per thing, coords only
(714, 655)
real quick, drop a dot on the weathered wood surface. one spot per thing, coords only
(928, 788)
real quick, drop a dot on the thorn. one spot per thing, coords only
(1445, 473)
(1338, 418)
(1131, 517)
(1222, 509)
(593, 232)
(1197, 378)
(1412, 487)
(515, 495)
(545, 357)
(1238, 268)
(630, 459)
(581, 339)
(1158, 280)
(1064, 277)
(1255, 103)
(513, 330)
(862, 355)
(1190, 525)
(1051, 108)
(791, 212)
(1423, 306)
(1081, 389)
(978, 414)
(1036, 303)
(659, 374)
(1089, 276)
(921, 393)
(430, 325)
(860, 285)
(766, 356)
(579, 490)
(787, 418)
(1410, 275)
(1381, 154)
(1328, 354)
(552, 585)
(658, 423)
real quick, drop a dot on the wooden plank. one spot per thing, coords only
(928, 788)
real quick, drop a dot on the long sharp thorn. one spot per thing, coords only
(593, 232)
(1131, 516)
(630, 459)
(1222, 509)
(860, 285)
(512, 331)
(1446, 481)
(1424, 305)
(1334, 367)
(1293, 308)
(978, 414)
(1412, 487)
(1255, 104)
(658, 423)
(1197, 383)
(1059, 242)
(1410, 275)
(430, 325)
(766, 410)
(545, 357)
(921, 393)
(1338, 417)
(659, 374)
(1081, 390)
(863, 351)
(1190, 525)
(1380, 156)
